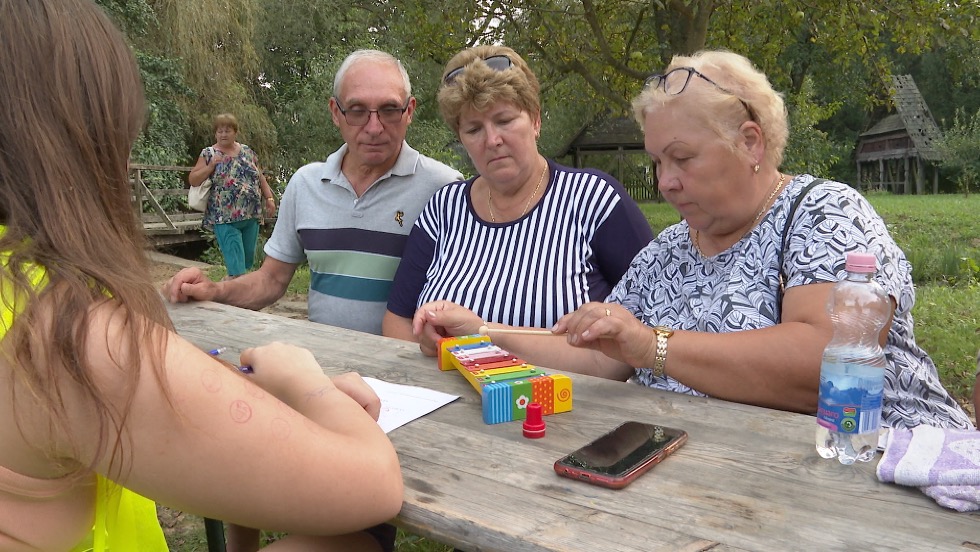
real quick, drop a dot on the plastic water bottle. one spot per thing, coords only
(852, 374)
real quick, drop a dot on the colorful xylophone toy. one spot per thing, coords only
(506, 383)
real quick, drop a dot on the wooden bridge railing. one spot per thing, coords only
(164, 227)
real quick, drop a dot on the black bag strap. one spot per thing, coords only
(785, 239)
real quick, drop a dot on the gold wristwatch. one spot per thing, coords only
(663, 332)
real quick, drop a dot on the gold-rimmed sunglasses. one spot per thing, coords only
(675, 81)
(499, 62)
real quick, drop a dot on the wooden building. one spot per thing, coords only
(896, 153)
(615, 145)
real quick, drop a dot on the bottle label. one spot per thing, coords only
(850, 397)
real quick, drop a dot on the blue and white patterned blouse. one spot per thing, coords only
(669, 283)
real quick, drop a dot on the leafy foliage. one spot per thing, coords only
(960, 146)
(271, 62)
(810, 150)
(162, 141)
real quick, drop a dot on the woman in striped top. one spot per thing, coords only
(527, 240)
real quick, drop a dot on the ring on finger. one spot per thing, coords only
(608, 313)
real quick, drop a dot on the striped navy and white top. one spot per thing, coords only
(571, 248)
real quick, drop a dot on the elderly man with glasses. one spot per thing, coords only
(348, 216)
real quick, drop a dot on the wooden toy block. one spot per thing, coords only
(506, 383)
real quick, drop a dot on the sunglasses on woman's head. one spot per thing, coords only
(675, 81)
(497, 63)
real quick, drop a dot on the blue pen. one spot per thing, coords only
(220, 350)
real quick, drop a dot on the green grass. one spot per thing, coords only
(940, 234)
(947, 326)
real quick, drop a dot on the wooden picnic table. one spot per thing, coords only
(747, 479)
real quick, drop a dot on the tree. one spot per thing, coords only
(843, 49)
(960, 149)
(272, 61)
(215, 43)
(163, 140)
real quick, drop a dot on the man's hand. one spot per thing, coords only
(190, 284)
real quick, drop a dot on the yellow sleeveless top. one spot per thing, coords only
(124, 520)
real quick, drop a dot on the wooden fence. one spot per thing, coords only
(163, 226)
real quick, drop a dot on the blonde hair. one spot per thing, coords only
(224, 120)
(720, 107)
(479, 87)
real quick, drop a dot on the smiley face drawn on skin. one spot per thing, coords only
(240, 411)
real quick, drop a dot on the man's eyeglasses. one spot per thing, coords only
(497, 63)
(358, 116)
(676, 80)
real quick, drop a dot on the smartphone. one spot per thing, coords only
(620, 456)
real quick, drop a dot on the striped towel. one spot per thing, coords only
(943, 463)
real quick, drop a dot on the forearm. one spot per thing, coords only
(198, 175)
(555, 352)
(373, 466)
(266, 189)
(776, 367)
(319, 399)
(396, 326)
(255, 290)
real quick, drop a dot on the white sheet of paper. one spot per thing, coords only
(401, 404)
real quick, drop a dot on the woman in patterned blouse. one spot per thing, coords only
(702, 309)
(239, 194)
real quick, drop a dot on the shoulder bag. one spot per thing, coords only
(197, 196)
(785, 238)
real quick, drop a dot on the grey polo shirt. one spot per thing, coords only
(353, 244)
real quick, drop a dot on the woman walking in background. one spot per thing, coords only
(239, 194)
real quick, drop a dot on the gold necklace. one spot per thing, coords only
(762, 211)
(526, 205)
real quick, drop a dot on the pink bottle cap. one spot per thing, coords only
(863, 263)
(534, 424)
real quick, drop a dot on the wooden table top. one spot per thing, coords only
(747, 479)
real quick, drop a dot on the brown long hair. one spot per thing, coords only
(72, 107)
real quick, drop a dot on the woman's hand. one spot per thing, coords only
(286, 371)
(217, 157)
(292, 374)
(612, 330)
(354, 386)
(270, 207)
(438, 319)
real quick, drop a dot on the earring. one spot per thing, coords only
(756, 167)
